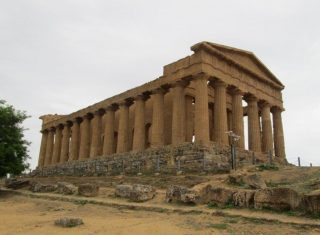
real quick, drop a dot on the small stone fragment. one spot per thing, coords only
(68, 222)
(88, 190)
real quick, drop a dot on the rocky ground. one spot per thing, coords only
(108, 205)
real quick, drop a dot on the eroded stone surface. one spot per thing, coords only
(311, 202)
(277, 199)
(88, 190)
(14, 183)
(136, 192)
(176, 193)
(66, 188)
(68, 222)
(37, 187)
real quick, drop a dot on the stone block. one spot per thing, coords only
(277, 199)
(88, 190)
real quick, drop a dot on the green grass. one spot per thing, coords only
(267, 167)
(231, 220)
(272, 184)
(218, 226)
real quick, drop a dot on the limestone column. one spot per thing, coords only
(267, 142)
(123, 129)
(189, 117)
(85, 137)
(42, 154)
(220, 113)
(178, 114)
(64, 156)
(237, 116)
(96, 145)
(75, 140)
(139, 124)
(253, 124)
(108, 143)
(49, 147)
(57, 146)
(278, 133)
(201, 118)
(157, 133)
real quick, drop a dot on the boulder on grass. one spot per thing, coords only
(136, 192)
(176, 193)
(68, 222)
(37, 187)
(141, 193)
(311, 202)
(277, 199)
(88, 190)
(66, 188)
(14, 183)
(123, 190)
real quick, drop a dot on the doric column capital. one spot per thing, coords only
(125, 103)
(201, 76)
(76, 120)
(264, 104)
(235, 91)
(141, 97)
(44, 131)
(250, 98)
(99, 112)
(88, 116)
(112, 107)
(276, 109)
(159, 90)
(218, 83)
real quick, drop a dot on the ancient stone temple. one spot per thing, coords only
(180, 119)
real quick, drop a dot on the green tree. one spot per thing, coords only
(13, 146)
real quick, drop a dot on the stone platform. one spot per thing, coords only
(188, 158)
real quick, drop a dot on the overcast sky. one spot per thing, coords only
(59, 56)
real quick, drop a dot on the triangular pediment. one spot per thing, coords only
(246, 59)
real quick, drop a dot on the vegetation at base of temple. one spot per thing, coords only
(13, 146)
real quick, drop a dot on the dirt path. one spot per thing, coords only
(25, 215)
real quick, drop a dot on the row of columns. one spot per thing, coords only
(55, 142)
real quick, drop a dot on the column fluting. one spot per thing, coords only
(278, 135)
(84, 151)
(201, 110)
(139, 138)
(220, 113)
(157, 133)
(75, 140)
(267, 142)
(96, 145)
(108, 143)
(237, 116)
(49, 148)
(43, 146)
(253, 124)
(57, 145)
(178, 114)
(123, 129)
(64, 156)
